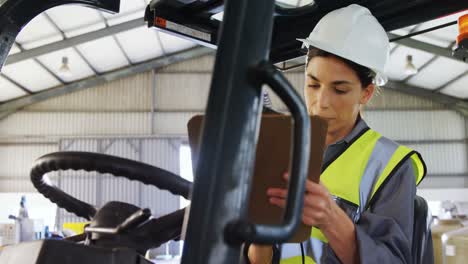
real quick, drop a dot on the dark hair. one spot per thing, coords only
(365, 75)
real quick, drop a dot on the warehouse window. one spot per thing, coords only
(185, 161)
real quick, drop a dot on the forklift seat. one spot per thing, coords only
(423, 252)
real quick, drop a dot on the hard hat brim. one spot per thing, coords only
(379, 79)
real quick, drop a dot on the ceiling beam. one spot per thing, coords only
(417, 27)
(424, 46)
(450, 102)
(457, 78)
(74, 41)
(16, 104)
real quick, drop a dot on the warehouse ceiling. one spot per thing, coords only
(93, 43)
(98, 47)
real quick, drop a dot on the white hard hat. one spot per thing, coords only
(353, 33)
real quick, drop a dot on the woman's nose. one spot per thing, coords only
(323, 98)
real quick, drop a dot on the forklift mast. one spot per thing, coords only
(217, 224)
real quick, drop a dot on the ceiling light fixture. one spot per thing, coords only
(64, 68)
(410, 69)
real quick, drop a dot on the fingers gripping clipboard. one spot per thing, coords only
(272, 160)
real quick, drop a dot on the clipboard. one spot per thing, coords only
(272, 160)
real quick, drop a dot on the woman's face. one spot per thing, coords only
(334, 92)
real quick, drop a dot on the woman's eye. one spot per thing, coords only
(314, 86)
(338, 91)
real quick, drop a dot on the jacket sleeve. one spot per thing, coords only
(384, 232)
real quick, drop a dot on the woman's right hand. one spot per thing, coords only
(260, 254)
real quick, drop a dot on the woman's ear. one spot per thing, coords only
(366, 94)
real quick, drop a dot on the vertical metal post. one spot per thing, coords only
(153, 101)
(140, 159)
(59, 214)
(101, 150)
(465, 119)
(229, 138)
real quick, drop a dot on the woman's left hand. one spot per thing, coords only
(319, 207)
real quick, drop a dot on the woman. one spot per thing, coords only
(362, 211)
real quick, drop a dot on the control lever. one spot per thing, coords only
(132, 221)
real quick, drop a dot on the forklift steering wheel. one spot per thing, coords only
(116, 166)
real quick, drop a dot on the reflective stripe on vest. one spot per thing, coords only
(356, 176)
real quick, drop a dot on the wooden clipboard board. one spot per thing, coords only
(272, 160)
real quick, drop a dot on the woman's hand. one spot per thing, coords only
(319, 207)
(320, 210)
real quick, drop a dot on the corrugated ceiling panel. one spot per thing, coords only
(14, 49)
(182, 91)
(402, 31)
(30, 74)
(38, 28)
(72, 17)
(443, 158)
(173, 44)
(104, 54)
(458, 88)
(129, 94)
(78, 67)
(447, 35)
(396, 65)
(42, 42)
(121, 18)
(417, 125)
(438, 73)
(140, 44)
(75, 124)
(84, 30)
(8, 90)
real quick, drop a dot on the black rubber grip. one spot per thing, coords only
(120, 167)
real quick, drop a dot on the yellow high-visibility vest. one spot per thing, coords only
(355, 177)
